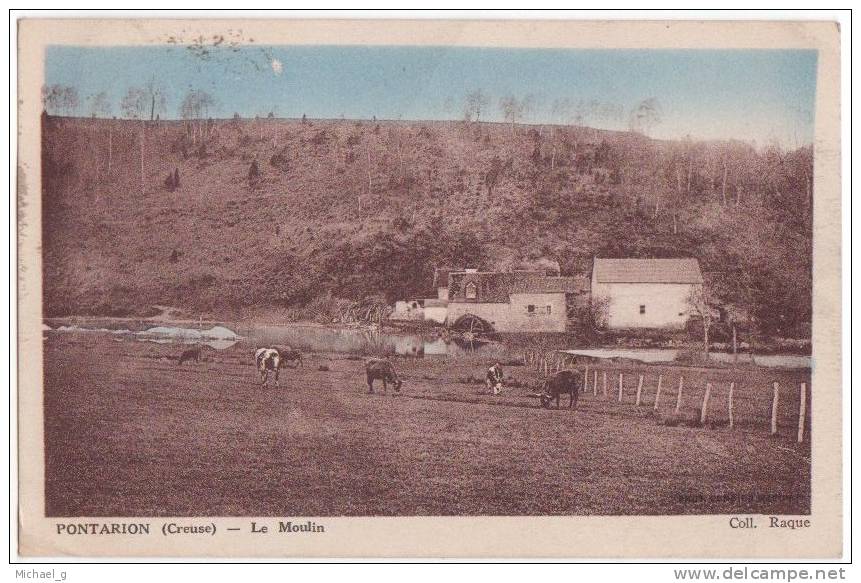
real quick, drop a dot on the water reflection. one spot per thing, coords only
(362, 341)
(212, 343)
(658, 355)
(367, 341)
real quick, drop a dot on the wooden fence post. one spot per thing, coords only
(605, 384)
(658, 394)
(621, 380)
(679, 397)
(595, 383)
(586, 379)
(558, 364)
(705, 403)
(731, 417)
(774, 403)
(639, 390)
(802, 411)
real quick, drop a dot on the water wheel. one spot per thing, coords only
(472, 325)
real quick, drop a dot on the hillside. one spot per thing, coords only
(345, 210)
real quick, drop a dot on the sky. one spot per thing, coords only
(752, 95)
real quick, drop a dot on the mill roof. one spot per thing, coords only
(648, 271)
(496, 287)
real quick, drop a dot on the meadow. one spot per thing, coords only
(128, 432)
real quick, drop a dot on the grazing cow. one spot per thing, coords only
(267, 360)
(189, 355)
(494, 377)
(564, 381)
(380, 368)
(287, 353)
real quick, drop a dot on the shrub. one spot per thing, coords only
(253, 171)
(320, 138)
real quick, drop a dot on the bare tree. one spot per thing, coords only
(99, 104)
(474, 104)
(560, 113)
(645, 116)
(60, 100)
(196, 108)
(135, 105)
(513, 109)
(702, 303)
(156, 97)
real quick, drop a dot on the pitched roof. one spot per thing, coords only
(648, 271)
(440, 275)
(491, 286)
(536, 284)
(495, 286)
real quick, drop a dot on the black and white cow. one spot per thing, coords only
(267, 360)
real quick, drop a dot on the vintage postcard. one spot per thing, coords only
(399, 288)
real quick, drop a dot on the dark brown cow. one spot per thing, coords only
(287, 353)
(190, 354)
(564, 381)
(382, 369)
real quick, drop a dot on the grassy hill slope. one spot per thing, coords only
(354, 210)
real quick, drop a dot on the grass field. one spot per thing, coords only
(129, 433)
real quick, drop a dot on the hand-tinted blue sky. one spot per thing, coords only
(760, 95)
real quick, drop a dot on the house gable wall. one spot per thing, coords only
(666, 304)
(539, 320)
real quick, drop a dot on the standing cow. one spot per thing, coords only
(494, 377)
(382, 369)
(267, 360)
(189, 355)
(286, 353)
(564, 381)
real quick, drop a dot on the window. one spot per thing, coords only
(642, 308)
(530, 309)
(471, 291)
(549, 308)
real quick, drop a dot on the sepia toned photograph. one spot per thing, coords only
(308, 281)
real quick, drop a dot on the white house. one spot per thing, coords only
(646, 293)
